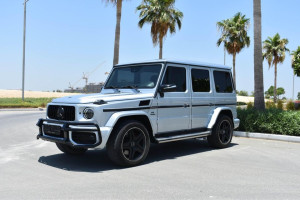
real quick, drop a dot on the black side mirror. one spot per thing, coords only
(167, 88)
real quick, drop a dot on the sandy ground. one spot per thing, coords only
(245, 99)
(31, 94)
(38, 94)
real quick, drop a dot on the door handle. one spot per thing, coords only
(186, 105)
(211, 104)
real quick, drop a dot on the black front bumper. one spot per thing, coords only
(65, 128)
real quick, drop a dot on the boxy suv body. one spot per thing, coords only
(158, 101)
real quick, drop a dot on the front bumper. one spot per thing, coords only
(67, 132)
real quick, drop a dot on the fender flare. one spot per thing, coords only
(215, 116)
(116, 116)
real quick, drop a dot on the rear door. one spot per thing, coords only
(202, 97)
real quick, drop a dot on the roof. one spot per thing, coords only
(193, 63)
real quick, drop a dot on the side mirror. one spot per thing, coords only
(167, 88)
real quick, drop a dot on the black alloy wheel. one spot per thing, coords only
(134, 144)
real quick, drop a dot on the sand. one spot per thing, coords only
(32, 94)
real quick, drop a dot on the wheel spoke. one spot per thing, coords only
(139, 148)
(131, 153)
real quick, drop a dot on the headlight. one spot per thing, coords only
(88, 113)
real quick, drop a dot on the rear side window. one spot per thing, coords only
(176, 76)
(200, 80)
(223, 82)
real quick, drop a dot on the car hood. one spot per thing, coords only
(91, 98)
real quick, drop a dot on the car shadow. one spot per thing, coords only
(97, 160)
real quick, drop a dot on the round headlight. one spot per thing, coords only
(88, 113)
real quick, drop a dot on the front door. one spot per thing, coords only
(174, 111)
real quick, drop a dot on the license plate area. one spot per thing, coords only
(53, 130)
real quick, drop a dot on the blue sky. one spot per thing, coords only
(68, 37)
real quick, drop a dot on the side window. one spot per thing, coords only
(223, 82)
(200, 80)
(176, 76)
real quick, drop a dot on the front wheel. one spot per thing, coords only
(70, 150)
(129, 144)
(222, 132)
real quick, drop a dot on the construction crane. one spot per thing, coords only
(85, 77)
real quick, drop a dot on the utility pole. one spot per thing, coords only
(24, 38)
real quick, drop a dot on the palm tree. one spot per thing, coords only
(295, 65)
(234, 36)
(162, 16)
(259, 100)
(296, 61)
(118, 4)
(274, 53)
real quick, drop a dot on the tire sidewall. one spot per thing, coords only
(118, 140)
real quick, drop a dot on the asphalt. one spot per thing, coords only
(248, 169)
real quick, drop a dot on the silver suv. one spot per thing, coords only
(141, 103)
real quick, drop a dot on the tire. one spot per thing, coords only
(128, 144)
(70, 150)
(221, 133)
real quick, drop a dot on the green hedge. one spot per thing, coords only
(273, 121)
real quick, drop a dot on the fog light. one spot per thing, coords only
(88, 113)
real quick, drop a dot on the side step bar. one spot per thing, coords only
(183, 137)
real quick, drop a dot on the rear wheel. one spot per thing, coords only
(221, 133)
(70, 150)
(129, 144)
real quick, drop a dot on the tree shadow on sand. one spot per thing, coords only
(97, 160)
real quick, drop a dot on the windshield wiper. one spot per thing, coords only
(113, 87)
(132, 87)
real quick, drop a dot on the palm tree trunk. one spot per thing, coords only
(233, 68)
(117, 32)
(259, 100)
(275, 83)
(160, 48)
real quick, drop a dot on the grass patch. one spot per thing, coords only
(27, 103)
(274, 121)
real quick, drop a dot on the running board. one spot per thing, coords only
(183, 137)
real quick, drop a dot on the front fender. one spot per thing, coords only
(215, 116)
(116, 116)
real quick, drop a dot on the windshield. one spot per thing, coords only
(142, 76)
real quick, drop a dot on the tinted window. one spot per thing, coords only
(144, 76)
(200, 80)
(223, 82)
(176, 76)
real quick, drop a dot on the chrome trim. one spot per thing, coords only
(77, 144)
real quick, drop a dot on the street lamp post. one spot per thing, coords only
(24, 37)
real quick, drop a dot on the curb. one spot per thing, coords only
(285, 138)
(22, 109)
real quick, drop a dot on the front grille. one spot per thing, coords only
(66, 113)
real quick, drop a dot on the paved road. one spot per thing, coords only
(249, 169)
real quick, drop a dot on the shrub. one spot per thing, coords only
(280, 104)
(240, 103)
(243, 93)
(270, 105)
(273, 121)
(249, 105)
(290, 105)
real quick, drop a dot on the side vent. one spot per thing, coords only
(144, 103)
